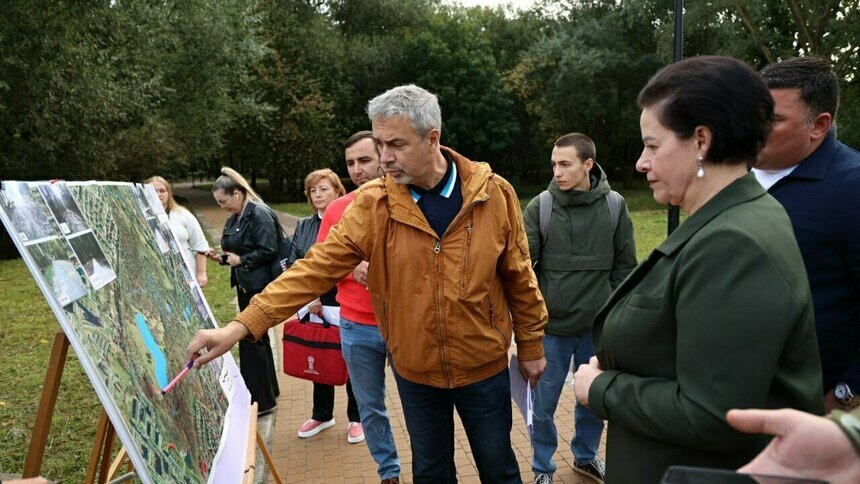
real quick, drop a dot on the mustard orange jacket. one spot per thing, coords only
(446, 308)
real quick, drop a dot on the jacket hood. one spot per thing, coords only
(572, 198)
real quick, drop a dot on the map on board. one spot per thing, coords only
(112, 271)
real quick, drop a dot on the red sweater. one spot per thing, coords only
(353, 297)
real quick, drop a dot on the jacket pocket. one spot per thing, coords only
(383, 321)
(493, 319)
(645, 302)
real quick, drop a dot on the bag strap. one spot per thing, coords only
(282, 234)
(613, 199)
(307, 318)
(545, 212)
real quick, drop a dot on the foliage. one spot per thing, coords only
(129, 88)
(584, 76)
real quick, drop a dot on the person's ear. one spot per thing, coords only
(820, 126)
(433, 136)
(589, 164)
(703, 137)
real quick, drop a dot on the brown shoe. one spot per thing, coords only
(391, 480)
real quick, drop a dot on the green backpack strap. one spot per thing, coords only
(614, 200)
(545, 207)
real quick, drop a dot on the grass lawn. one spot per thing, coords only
(299, 209)
(28, 328)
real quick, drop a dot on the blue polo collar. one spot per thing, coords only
(445, 186)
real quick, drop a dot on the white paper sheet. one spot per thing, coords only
(521, 392)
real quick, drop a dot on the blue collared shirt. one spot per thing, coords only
(441, 203)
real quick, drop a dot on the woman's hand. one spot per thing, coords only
(212, 255)
(233, 260)
(583, 378)
(202, 279)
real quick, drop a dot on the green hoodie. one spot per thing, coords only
(581, 261)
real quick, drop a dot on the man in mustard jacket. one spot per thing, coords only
(450, 280)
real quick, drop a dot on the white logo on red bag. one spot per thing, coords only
(310, 369)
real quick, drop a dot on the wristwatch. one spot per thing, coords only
(843, 395)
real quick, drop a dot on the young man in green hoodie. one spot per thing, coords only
(581, 244)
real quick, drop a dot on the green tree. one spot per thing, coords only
(584, 76)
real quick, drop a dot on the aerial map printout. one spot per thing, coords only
(111, 270)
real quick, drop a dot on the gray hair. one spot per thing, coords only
(416, 104)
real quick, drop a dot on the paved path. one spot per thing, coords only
(327, 457)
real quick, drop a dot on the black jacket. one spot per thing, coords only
(304, 238)
(254, 238)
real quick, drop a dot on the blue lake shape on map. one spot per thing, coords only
(155, 350)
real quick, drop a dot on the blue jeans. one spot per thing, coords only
(364, 352)
(587, 427)
(485, 410)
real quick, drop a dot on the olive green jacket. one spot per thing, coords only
(849, 422)
(719, 316)
(582, 260)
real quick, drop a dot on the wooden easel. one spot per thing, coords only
(105, 438)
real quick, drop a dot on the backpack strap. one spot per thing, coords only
(614, 200)
(545, 207)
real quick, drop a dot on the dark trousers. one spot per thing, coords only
(324, 403)
(485, 410)
(257, 364)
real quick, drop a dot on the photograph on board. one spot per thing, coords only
(27, 211)
(60, 268)
(142, 202)
(160, 238)
(152, 197)
(64, 208)
(96, 265)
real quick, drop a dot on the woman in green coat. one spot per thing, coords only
(720, 315)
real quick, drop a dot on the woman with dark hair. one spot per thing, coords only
(321, 188)
(720, 315)
(250, 245)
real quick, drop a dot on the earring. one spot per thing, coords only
(701, 173)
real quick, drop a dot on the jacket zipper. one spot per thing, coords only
(437, 251)
(466, 258)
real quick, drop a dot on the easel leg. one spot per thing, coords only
(114, 467)
(250, 450)
(33, 463)
(98, 444)
(268, 459)
(110, 438)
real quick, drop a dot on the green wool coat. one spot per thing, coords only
(582, 260)
(719, 316)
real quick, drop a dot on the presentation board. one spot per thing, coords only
(111, 269)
